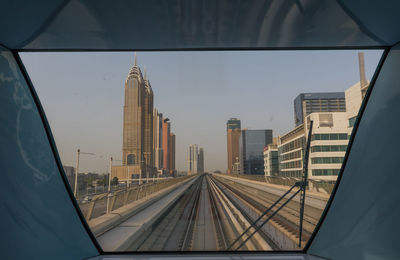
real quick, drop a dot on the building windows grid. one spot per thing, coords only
(294, 174)
(328, 148)
(292, 155)
(298, 143)
(326, 160)
(339, 136)
(293, 164)
(325, 172)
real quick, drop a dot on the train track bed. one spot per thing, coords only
(287, 220)
(202, 219)
(172, 231)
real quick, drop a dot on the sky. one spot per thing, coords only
(83, 93)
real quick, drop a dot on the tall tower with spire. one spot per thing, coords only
(138, 148)
(134, 117)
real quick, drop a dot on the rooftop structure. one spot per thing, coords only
(307, 103)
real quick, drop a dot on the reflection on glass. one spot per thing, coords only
(189, 154)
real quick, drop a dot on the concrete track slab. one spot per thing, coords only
(205, 239)
(317, 201)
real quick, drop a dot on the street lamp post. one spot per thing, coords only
(109, 186)
(78, 153)
(110, 175)
(76, 172)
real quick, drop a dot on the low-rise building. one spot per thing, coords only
(291, 149)
(327, 148)
(125, 173)
(271, 159)
(328, 144)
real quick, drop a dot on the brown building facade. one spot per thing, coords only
(233, 130)
(148, 149)
(133, 127)
(233, 147)
(137, 145)
(166, 131)
(148, 146)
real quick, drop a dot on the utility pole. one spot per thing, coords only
(109, 186)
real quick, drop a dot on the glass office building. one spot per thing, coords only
(251, 149)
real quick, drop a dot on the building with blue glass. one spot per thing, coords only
(251, 149)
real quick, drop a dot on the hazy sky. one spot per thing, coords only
(82, 95)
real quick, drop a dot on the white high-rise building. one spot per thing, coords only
(193, 159)
(157, 140)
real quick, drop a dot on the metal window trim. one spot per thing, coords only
(53, 148)
(351, 140)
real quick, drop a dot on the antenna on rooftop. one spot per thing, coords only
(135, 59)
(363, 81)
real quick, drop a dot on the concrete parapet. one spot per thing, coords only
(117, 230)
(105, 222)
(106, 202)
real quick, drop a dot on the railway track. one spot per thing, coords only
(234, 222)
(211, 214)
(286, 220)
(171, 232)
(192, 223)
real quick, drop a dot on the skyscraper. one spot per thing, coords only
(233, 123)
(166, 131)
(145, 133)
(201, 161)
(137, 143)
(171, 153)
(157, 140)
(193, 157)
(251, 148)
(148, 127)
(134, 125)
(233, 134)
(307, 103)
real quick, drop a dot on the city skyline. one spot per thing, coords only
(143, 136)
(188, 90)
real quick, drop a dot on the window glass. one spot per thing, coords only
(36, 209)
(352, 121)
(368, 193)
(181, 151)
